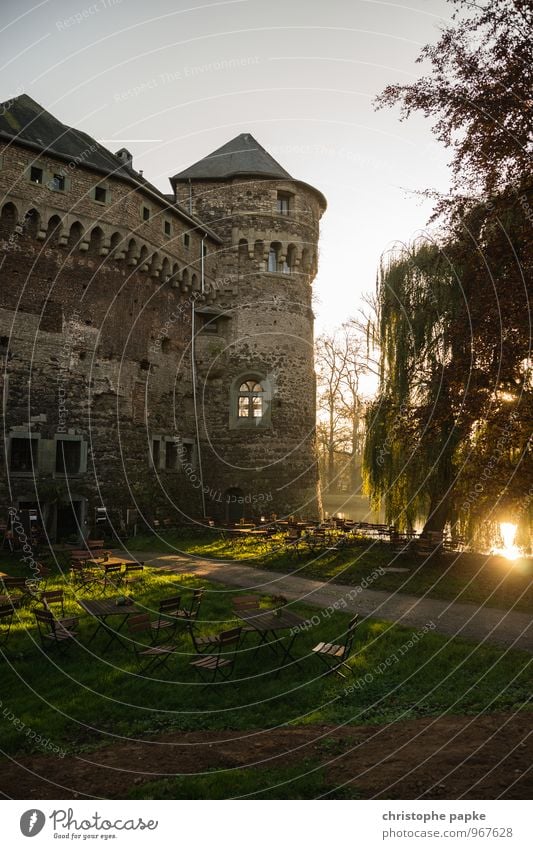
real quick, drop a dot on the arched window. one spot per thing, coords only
(273, 257)
(250, 400)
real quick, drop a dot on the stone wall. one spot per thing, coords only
(267, 332)
(90, 339)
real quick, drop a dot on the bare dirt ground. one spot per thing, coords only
(485, 757)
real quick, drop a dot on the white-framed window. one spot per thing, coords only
(250, 397)
(250, 400)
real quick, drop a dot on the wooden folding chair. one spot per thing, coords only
(246, 604)
(336, 656)
(133, 573)
(17, 591)
(148, 656)
(51, 632)
(6, 619)
(208, 666)
(191, 612)
(168, 617)
(51, 598)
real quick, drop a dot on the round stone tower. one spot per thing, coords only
(255, 380)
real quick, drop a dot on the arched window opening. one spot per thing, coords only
(250, 400)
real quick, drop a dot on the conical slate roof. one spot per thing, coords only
(241, 156)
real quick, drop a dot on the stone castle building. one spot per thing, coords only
(156, 350)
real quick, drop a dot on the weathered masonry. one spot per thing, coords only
(156, 350)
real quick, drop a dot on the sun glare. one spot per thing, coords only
(508, 549)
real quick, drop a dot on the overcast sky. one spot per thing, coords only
(175, 79)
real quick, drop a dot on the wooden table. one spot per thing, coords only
(104, 609)
(268, 623)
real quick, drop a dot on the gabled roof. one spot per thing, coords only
(25, 122)
(241, 156)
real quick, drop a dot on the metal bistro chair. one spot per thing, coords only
(133, 573)
(17, 591)
(168, 617)
(336, 656)
(57, 597)
(190, 613)
(148, 656)
(51, 632)
(6, 620)
(208, 666)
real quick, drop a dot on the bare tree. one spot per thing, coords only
(341, 361)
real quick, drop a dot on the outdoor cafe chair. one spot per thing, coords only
(133, 573)
(17, 591)
(6, 620)
(57, 597)
(148, 656)
(51, 631)
(221, 662)
(168, 616)
(83, 575)
(112, 574)
(336, 656)
(191, 612)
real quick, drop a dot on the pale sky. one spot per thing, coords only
(175, 79)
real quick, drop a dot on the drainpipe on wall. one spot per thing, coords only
(202, 265)
(195, 405)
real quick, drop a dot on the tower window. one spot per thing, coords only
(23, 455)
(171, 455)
(283, 203)
(272, 259)
(146, 213)
(186, 240)
(57, 183)
(250, 400)
(156, 453)
(167, 228)
(36, 175)
(68, 456)
(100, 194)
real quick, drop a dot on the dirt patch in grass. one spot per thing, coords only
(485, 757)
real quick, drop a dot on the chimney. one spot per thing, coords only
(125, 157)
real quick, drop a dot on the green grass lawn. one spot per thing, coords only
(465, 577)
(83, 699)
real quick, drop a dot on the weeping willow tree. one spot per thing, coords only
(414, 426)
(450, 434)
